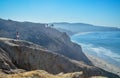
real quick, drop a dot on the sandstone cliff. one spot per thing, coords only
(48, 37)
(25, 55)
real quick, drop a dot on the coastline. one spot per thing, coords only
(101, 56)
(99, 62)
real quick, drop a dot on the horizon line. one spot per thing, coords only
(57, 22)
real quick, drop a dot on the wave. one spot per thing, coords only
(82, 33)
(105, 45)
(102, 53)
(100, 34)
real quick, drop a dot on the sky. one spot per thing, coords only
(96, 12)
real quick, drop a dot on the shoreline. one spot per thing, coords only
(99, 62)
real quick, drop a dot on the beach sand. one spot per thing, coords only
(98, 62)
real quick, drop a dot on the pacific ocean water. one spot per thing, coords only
(103, 44)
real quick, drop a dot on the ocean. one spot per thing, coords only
(103, 44)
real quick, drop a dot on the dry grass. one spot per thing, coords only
(43, 74)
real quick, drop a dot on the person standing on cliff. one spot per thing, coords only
(17, 35)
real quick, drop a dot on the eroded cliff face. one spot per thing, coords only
(28, 56)
(5, 61)
(47, 37)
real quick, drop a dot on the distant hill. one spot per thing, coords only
(70, 33)
(82, 27)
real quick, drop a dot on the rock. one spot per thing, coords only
(5, 61)
(28, 56)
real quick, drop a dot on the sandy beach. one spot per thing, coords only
(98, 62)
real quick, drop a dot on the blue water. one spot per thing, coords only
(105, 45)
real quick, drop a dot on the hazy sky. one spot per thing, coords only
(96, 12)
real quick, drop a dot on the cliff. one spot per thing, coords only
(26, 56)
(47, 37)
